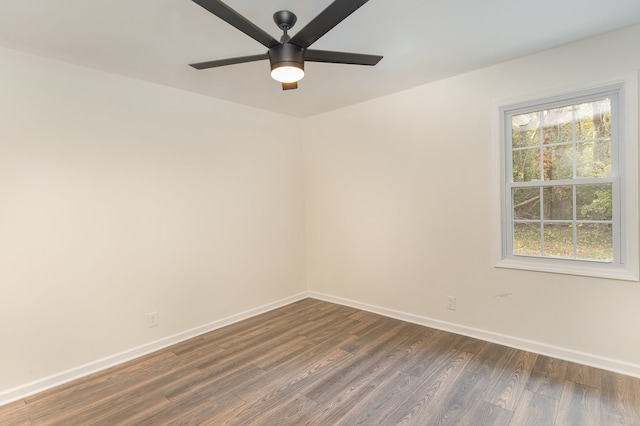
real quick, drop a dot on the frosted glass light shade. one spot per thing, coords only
(287, 74)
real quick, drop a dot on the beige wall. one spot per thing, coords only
(119, 198)
(401, 211)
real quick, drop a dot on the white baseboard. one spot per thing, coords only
(609, 364)
(22, 391)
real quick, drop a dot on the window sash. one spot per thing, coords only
(543, 222)
(509, 184)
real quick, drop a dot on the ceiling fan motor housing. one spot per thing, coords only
(286, 55)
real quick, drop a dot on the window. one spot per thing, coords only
(569, 183)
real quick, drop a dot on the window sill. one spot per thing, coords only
(570, 267)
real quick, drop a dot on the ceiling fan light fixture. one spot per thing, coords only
(287, 74)
(287, 63)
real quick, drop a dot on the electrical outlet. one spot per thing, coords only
(152, 319)
(451, 303)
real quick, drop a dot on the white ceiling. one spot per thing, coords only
(421, 41)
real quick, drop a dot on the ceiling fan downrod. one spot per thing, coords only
(285, 20)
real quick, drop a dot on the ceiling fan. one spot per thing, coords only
(288, 55)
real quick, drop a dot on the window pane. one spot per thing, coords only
(558, 203)
(526, 239)
(558, 240)
(558, 162)
(594, 202)
(593, 120)
(595, 241)
(524, 130)
(526, 203)
(526, 165)
(558, 125)
(594, 159)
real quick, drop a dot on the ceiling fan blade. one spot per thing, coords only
(233, 18)
(289, 86)
(341, 57)
(229, 61)
(335, 13)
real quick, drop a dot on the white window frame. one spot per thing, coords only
(625, 266)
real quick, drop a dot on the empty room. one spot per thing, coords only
(333, 212)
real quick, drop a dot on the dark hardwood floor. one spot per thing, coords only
(317, 363)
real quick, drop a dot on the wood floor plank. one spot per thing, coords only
(320, 331)
(88, 394)
(15, 414)
(506, 391)
(285, 412)
(381, 397)
(278, 355)
(17, 407)
(277, 381)
(534, 410)
(428, 351)
(131, 410)
(471, 384)
(244, 351)
(365, 387)
(15, 420)
(318, 363)
(184, 391)
(547, 376)
(457, 404)
(354, 370)
(579, 405)
(97, 380)
(432, 398)
(481, 413)
(384, 336)
(199, 407)
(584, 375)
(620, 399)
(198, 356)
(112, 399)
